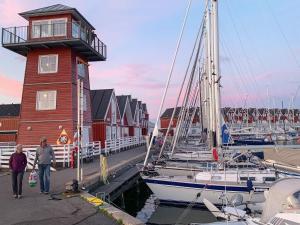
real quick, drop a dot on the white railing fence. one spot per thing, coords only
(117, 145)
(63, 153)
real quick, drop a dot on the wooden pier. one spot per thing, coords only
(35, 208)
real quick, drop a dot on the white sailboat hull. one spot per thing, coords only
(186, 193)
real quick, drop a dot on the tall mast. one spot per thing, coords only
(209, 80)
(216, 72)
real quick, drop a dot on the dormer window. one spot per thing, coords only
(49, 28)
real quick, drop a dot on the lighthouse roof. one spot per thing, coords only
(54, 10)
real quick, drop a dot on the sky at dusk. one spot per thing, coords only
(259, 48)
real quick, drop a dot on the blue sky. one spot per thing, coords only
(259, 48)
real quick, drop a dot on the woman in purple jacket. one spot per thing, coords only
(17, 164)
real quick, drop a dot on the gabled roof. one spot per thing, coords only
(100, 100)
(133, 104)
(9, 110)
(53, 10)
(122, 103)
(144, 107)
(168, 113)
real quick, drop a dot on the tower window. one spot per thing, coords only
(81, 69)
(49, 28)
(46, 100)
(48, 63)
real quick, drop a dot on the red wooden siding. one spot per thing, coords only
(131, 131)
(9, 123)
(164, 123)
(8, 137)
(49, 129)
(64, 82)
(99, 132)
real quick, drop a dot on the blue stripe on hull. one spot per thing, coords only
(200, 186)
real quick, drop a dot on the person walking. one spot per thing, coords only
(44, 155)
(17, 164)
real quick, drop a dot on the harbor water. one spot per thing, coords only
(139, 202)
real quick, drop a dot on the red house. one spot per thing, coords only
(165, 120)
(9, 122)
(58, 44)
(145, 119)
(134, 129)
(125, 114)
(106, 115)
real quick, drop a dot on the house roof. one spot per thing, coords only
(9, 110)
(122, 103)
(53, 10)
(100, 101)
(140, 104)
(133, 104)
(168, 113)
(144, 107)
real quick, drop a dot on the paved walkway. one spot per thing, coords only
(35, 208)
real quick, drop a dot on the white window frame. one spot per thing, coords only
(39, 64)
(48, 22)
(37, 100)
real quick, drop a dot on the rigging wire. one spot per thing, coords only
(182, 85)
(293, 54)
(169, 77)
(234, 68)
(185, 100)
(249, 66)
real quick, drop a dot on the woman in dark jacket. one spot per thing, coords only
(17, 164)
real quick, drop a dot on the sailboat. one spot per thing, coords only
(219, 185)
(282, 207)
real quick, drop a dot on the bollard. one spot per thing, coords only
(104, 169)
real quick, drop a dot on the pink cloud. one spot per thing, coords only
(138, 76)
(145, 82)
(10, 87)
(9, 12)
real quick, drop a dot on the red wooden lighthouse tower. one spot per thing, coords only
(58, 43)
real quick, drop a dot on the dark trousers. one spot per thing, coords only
(17, 178)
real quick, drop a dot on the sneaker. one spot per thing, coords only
(41, 192)
(15, 196)
(19, 196)
(46, 192)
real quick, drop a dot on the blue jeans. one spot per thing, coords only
(44, 176)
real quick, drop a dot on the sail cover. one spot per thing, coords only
(278, 197)
(225, 134)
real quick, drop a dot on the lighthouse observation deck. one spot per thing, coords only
(55, 34)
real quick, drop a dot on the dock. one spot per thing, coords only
(35, 208)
